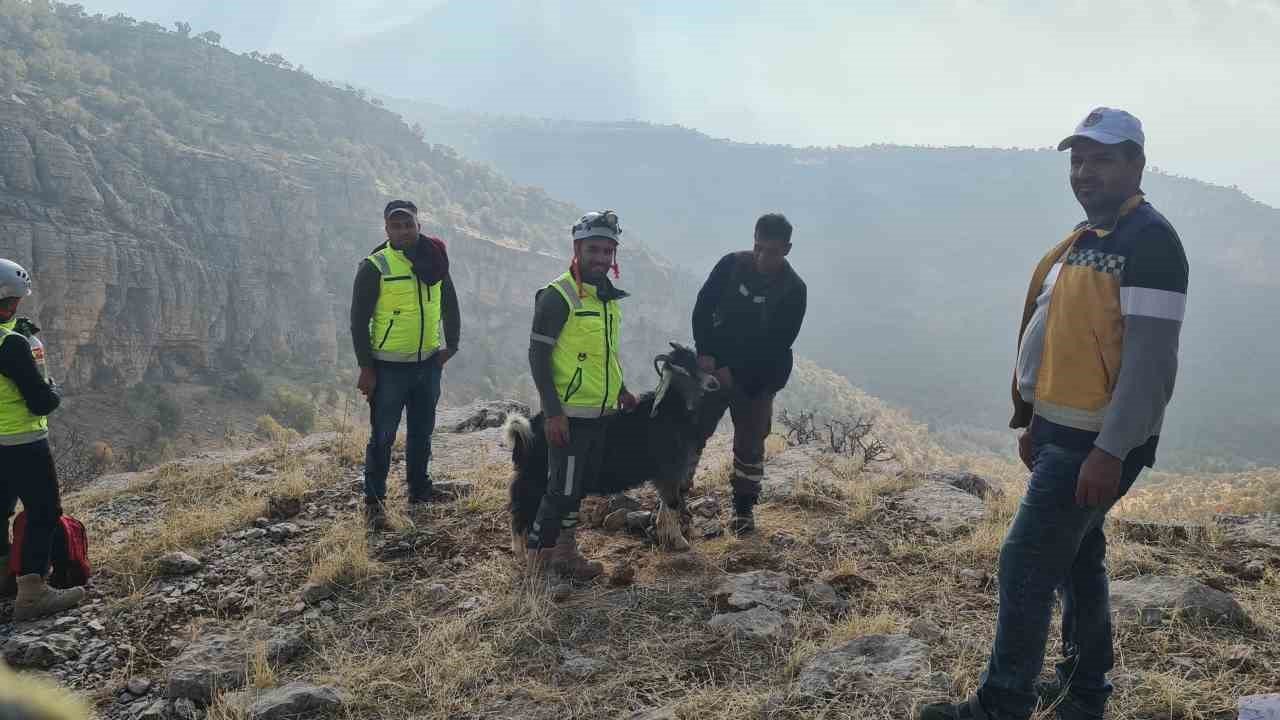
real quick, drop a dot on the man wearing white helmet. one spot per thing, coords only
(579, 382)
(27, 396)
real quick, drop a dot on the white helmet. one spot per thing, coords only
(14, 280)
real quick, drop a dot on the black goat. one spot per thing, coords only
(653, 443)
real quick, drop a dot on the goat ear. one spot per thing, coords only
(663, 385)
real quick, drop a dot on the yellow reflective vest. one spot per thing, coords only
(406, 320)
(584, 362)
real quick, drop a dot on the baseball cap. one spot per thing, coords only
(1107, 126)
(400, 206)
(602, 224)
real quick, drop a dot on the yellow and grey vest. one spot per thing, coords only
(584, 362)
(17, 425)
(406, 320)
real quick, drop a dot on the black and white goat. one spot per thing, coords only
(655, 443)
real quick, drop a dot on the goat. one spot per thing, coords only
(655, 443)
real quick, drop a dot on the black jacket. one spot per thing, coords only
(748, 321)
(17, 365)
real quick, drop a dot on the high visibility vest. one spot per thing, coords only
(406, 320)
(584, 362)
(17, 425)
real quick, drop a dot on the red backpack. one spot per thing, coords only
(69, 554)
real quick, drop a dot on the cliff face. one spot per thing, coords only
(178, 261)
(168, 249)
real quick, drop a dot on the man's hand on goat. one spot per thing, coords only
(557, 430)
(706, 363)
(626, 401)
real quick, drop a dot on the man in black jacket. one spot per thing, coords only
(747, 316)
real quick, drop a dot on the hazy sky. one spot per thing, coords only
(1204, 75)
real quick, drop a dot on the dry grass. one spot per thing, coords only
(492, 644)
(341, 558)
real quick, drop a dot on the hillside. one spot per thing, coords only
(917, 259)
(868, 590)
(188, 212)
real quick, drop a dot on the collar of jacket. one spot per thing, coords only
(605, 290)
(1103, 230)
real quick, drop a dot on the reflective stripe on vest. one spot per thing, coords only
(584, 362)
(406, 321)
(17, 425)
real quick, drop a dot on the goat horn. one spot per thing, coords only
(663, 385)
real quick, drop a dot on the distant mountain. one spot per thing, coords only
(917, 259)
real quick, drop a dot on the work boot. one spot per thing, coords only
(569, 562)
(970, 709)
(744, 521)
(8, 583)
(375, 514)
(37, 599)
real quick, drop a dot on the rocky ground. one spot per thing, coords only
(242, 585)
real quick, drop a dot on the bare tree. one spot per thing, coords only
(840, 436)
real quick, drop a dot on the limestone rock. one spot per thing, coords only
(34, 650)
(862, 663)
(1152, 599)
(296, 700)
(947, 509)
(581, 667)
(798, 470)
(758, 588)
(178, 563)
(1252, 530)
(1260, 707)
(758, 623)
(974, 484)
(220, 659)
(1157, 532)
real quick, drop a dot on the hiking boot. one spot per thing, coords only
(8, 583)
(36, 599)
(1064, 704)
(743, 521)
(569, 562)
(375, 515)
(970, 709)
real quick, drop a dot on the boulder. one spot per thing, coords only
(280, 507)
(581, 667)
(758, 623)
(34, 650)
(863, 664)
(1261, 531)
(946, 509)
(296, 700)
(1152, 599)
(488, 415)
(799, 470)
(220, 659)
(975, 485)
(1260, 707)
(753, 589)
(178, 563)
(1158, 532)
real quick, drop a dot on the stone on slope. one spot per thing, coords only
(758, 588)
(667, 712)
(758, 623)
(1152, 599)
(178, 563)
(1260, 707)
(797, 471)
(296, 700)
(40, 651)
(581, 667)
(220, 660)
(947, 509)
(1252, 530)
(863, 664)
(485, 415)
(975, 485)
(1158, 532)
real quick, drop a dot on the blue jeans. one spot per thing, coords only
(417, 386)
(1053, 544)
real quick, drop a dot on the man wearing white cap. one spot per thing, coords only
(573, 356)
(1097, 358)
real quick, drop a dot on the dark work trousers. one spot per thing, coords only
(752, 421)
(27, 474)
(570, 470)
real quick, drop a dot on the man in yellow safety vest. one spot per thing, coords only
(573, 354)
(403, 295)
